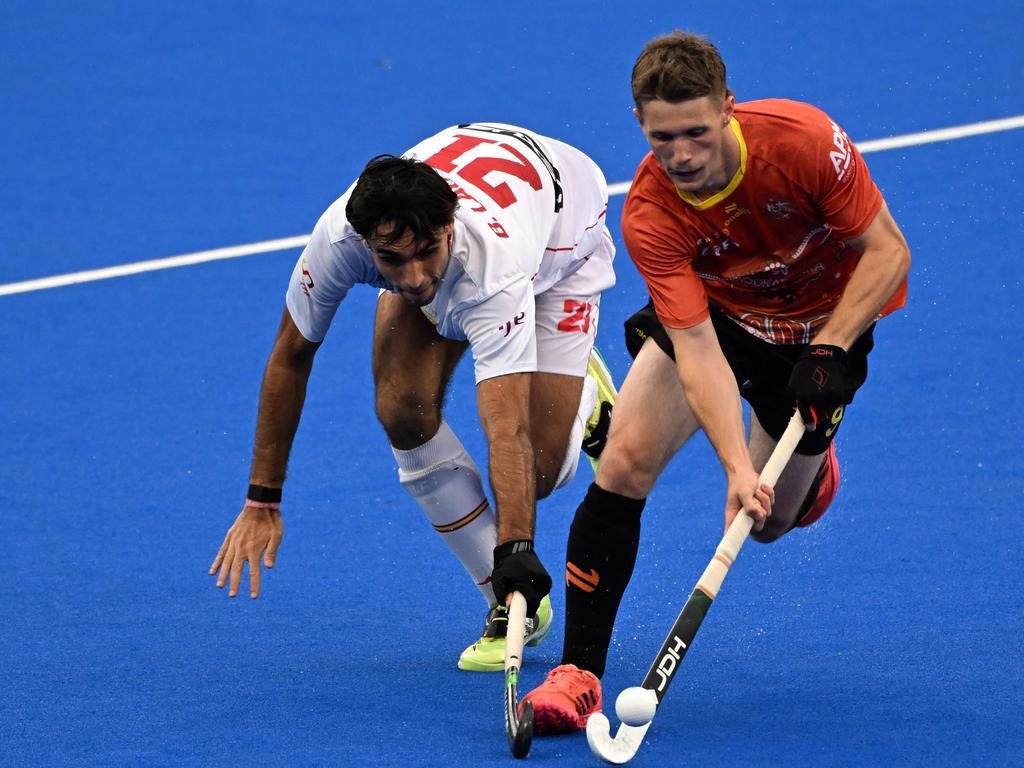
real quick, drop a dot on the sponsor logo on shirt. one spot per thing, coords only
(508, 325)
(307, 279)
(841, 156)
(706, 248)
(733, 212)
(779, 209)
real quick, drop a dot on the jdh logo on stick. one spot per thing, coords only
(667, 665)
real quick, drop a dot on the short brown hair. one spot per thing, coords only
(677, 67)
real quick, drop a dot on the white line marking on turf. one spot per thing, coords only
(232, 252)
(942, 134)
(299, 241)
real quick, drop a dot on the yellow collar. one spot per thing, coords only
(702, 205)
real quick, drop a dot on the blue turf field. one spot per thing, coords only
(890, 634)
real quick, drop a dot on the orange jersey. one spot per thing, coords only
(770, 249)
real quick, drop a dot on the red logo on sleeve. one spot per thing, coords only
(307, 279)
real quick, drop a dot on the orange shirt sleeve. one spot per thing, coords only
(663, 250)
(835, 174)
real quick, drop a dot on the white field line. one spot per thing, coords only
(232, 252)
(299, 241)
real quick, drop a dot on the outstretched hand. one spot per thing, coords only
(255, 532)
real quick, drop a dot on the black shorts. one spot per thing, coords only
(761, 369)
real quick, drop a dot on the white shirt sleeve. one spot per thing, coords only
(502, 332)
(321, 279)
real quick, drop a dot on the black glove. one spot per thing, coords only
(518, 569)
(818, 386)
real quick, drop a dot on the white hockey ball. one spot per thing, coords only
(636, 706)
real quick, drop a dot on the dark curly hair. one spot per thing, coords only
(407, 194)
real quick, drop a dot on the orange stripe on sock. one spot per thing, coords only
(463, 522)
(593, 577)
(585, 581)
(572, 581)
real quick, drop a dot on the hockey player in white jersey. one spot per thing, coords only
(484, 236)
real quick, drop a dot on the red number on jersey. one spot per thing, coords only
(579, 317)
(475, 170)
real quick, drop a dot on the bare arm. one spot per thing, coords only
(281, 398)
(503, 403)
(282, 394)
(883, 265)
(711, 392)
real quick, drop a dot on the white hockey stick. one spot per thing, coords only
(628, 738)
(519, 730)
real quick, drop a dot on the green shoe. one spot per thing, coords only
(488, 653)
(595, 435)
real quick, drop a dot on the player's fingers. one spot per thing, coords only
(811, 422)
(271, 555)
(755, 507)
(254, 577)
(220, 556)
(225, 568)
(236, 575)
(810, 417)
(756, 510)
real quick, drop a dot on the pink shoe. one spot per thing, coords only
(828, 487)
(565, 700)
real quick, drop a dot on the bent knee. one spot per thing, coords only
(408, 422)
(625, 472)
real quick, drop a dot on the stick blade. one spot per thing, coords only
(521, 738)
(619, 750)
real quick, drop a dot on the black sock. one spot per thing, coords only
(603, 543)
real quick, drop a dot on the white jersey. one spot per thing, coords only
(531, 213)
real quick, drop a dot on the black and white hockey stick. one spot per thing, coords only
(518, 729)
(628, 738)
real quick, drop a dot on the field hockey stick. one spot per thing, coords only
(655, 685)
(518, 729)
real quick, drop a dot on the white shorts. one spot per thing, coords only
(567, 314)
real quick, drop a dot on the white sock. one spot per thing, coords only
(588, 399)
(447, 485)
